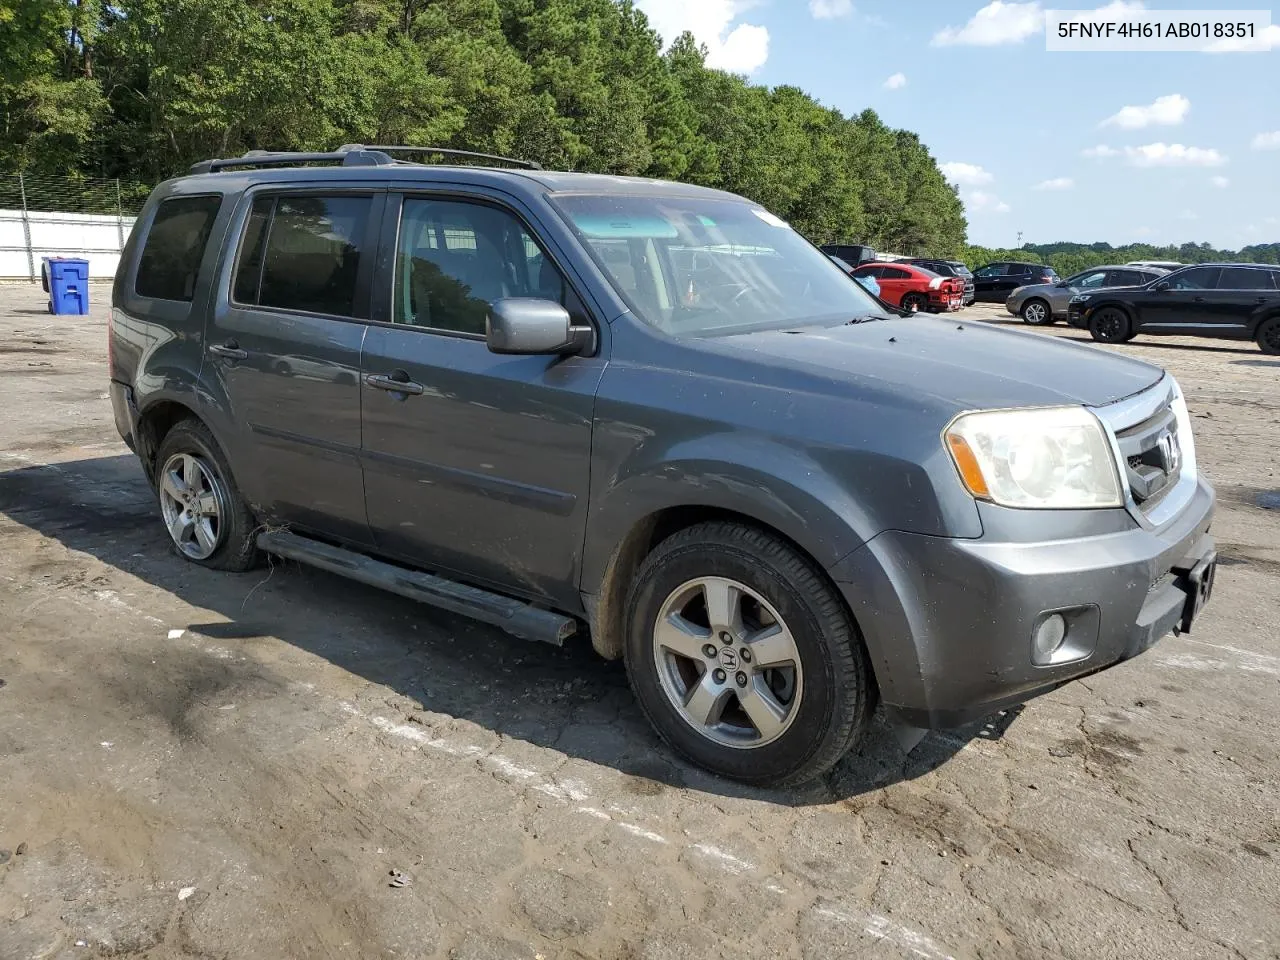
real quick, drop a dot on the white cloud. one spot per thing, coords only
(1267, 141)
(1220, 182)
(1164, 112)
(830, 9)
(965, 174)
(980, 200)
(739, 49)
(1267, 39)
(1173, 155)
(1057, 183)
(1000, 22)
(896, 82)
(994, 24)
(1160, 155)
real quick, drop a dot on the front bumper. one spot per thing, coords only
(948, 623)
(1077, 316)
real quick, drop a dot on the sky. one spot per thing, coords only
(1156, 147)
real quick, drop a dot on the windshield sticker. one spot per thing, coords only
(625, 228)
(770, 219)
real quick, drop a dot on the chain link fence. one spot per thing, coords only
(84, 217)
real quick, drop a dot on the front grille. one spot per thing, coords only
(1152, 456)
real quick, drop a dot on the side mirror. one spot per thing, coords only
(1163, 285)
(1061, 284)
(534, 327)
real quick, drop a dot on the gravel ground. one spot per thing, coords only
(217, 766)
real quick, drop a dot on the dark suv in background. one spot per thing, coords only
(995, 281)
(854, 254)
(547, 400)
(1235, 301)
(949, 268)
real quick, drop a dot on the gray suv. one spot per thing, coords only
(1041, 304)
(653, 412)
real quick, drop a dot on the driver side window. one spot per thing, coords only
(992, 271)
(1092, 280)
(454, 259)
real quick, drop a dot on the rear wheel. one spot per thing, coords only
(204, 514)
(1037, 313)
(1269, 336)
(917, 302)
(743, 657)
(1110, 325)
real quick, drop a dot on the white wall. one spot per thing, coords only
(93, 237)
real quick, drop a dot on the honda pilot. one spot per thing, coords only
(656, 415)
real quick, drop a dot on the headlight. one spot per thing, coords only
(1055, 458)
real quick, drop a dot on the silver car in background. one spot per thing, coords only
(1044, 303)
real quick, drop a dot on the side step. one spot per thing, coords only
(513, 616)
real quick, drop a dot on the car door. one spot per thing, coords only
(480, 466)
(1242, 294)
(1179, 301)
(895, 282)
(284, 353)
(987, 281)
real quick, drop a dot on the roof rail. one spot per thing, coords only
(348, 157)
(444, 151)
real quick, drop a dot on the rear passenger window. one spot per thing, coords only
(454, 259)
(303, 253)
(170, 261)
(895, 273)
(1243, 278)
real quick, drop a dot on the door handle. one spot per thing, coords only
(393, 385)
(1261, 300)
(229, 351)
(1199, 300)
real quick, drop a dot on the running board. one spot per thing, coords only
(513, 616)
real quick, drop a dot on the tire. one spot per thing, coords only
(1268, 338)
(214, 527)
(817, 699)
(1110, 325)
(1037, 312)
(916, 300)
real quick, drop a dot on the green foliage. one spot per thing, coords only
(140, 89)
(1071, 258)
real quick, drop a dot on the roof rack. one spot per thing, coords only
(443, 151)
(348, 156)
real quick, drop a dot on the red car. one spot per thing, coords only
(915, 288)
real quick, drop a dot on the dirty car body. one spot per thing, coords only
(655, 410)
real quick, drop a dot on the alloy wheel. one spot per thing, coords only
(1034, 312)
(727, 662)
(193, 505)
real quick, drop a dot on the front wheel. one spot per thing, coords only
(1110, 325)
(743, 657)
(1269, 336)
(1037, 313)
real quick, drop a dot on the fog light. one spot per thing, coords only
(1048, 637)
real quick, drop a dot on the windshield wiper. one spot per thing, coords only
(869, 318)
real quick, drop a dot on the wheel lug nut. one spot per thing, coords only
(725, 638)
(709, 651)
(741, 678)
(746, 655)
(718, 676)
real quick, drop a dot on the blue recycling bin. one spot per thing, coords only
(68, 285)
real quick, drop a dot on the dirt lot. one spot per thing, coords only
(217, 766)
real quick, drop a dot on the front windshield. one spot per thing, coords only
(696, 267)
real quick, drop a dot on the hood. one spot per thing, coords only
(956, 365)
